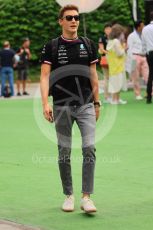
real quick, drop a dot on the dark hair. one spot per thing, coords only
(117, 30)
(137, 24)
(65, 8)
(108, 24)
(151, 15)
(127, 31)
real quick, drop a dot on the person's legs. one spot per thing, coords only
(144, 70)
(18, 82)
(150, 79)
(106, 79)
(18, 86)
(115, 97)
(24, 85)
(86, 120)
(11, 80)
(118, 96)
(135, 76)
(24, 82)
(63, 123)
(3, 79)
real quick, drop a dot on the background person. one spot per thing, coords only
(103, 40)
(6, 63)
(147, 41)
(116, 61)
(137, 58)
(23, 66)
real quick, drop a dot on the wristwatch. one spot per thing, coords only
(97, 103)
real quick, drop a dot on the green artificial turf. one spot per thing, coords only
(30, 188)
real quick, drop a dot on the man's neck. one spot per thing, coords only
(70, 36)
(139, 32)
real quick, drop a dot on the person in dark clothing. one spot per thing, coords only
(147, 41)
(103, 40)
(23, 65)
(6, 63)
(75, 99)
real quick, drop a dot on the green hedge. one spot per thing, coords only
(37, 19)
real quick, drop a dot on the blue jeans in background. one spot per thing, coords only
(7, 74)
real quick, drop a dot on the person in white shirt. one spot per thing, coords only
(147, 42)
(139, 66)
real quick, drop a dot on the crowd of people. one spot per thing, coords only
(10, 60)
(126, 57)
(122, 57)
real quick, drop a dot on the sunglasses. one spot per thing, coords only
(70, 17)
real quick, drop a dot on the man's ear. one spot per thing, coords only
(60, 22)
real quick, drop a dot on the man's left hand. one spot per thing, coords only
(97, 112)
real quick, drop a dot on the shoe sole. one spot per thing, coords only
(89, 211)
(67, 210)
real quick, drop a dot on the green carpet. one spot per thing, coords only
(31, 193)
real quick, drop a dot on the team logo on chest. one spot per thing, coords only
(62, 55)
(83, 51)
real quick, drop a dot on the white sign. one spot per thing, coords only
(85, 6)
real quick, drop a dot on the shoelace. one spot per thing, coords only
(89, 201)
(69, 199)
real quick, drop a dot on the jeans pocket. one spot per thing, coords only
(88, 109)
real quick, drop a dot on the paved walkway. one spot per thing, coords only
(8, 225)
(34, 90)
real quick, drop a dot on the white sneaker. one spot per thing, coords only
(107, 101)
(87, 205)
(139, 97)
(68, 205)
(114, 102)
(122, 102)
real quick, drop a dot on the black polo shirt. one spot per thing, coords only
(70, 75)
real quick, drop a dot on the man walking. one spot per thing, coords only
(140, 66)
(147, 40)
(75, 99)
(6, 63)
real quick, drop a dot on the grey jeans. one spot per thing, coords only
(84, 116)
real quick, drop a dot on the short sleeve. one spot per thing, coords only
(118, 48)
(100, 40)
(13, 52)
(46, 54)
(94, 58)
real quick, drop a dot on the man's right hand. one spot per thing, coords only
(48, 112)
